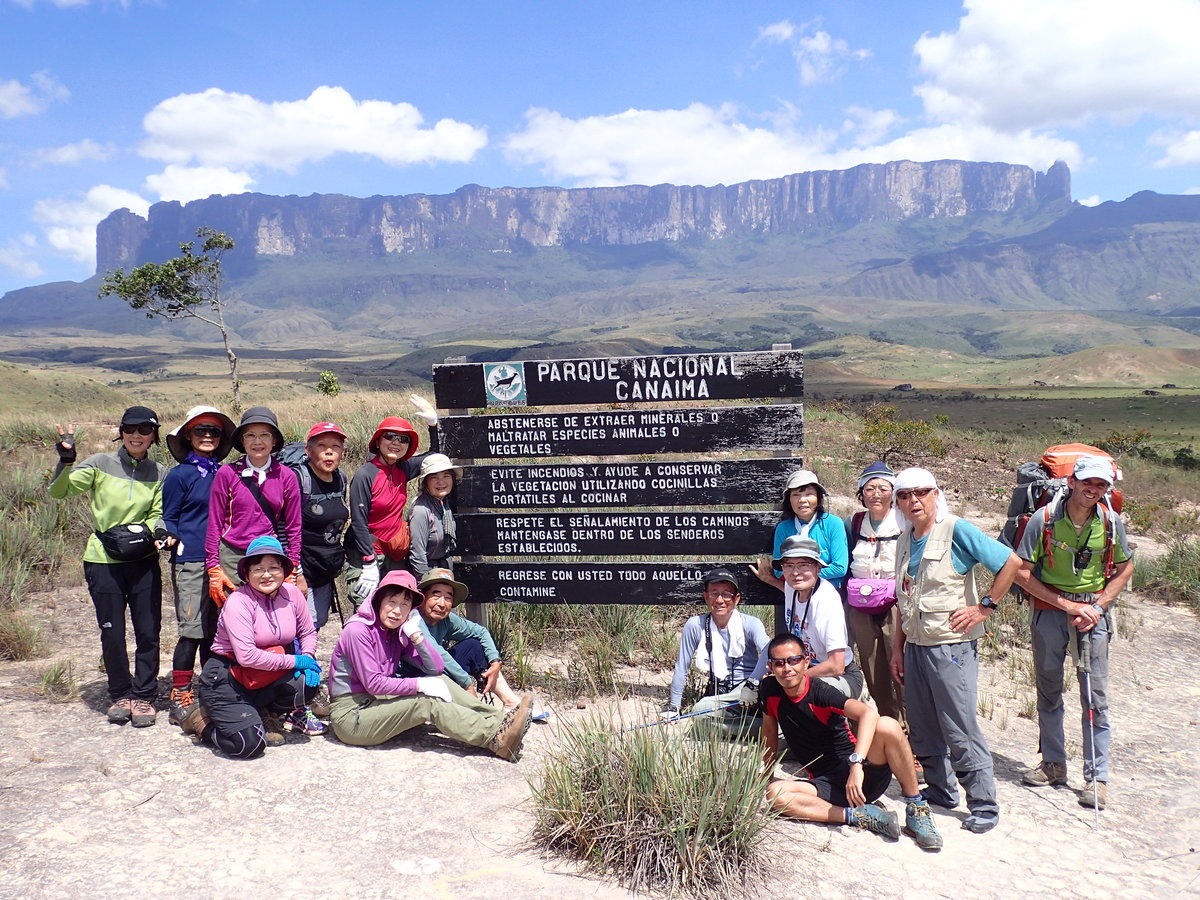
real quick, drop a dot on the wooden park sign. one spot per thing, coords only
(546, 530)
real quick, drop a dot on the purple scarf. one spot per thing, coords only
(206, 464)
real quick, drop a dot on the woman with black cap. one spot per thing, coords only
(199, 444)
(252, 496)
(120, 563)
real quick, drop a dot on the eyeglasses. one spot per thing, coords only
(143, 430)
(722, 594)
(877, 490)
(793, 661)
(266, 570)
(919, 493)
(395, 436)
(207, 430)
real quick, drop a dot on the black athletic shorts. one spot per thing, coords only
(831, 787)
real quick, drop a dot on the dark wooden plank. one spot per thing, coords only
(717, 482)
(624, 432)
(616, 533)
(644, 584)
(621, 379)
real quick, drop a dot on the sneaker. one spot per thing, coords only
(874, 819)
(303, 721)
(319, 706)
(121, 711)
(1095, 795)
(506, 742)
(980, 824)
(918, 821)
(142, 713)
(183, 699)
(273, 730)
(1046, 773)
(195, 721)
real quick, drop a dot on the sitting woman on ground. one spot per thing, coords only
(251, 496)
(803, 513)
(431, 522)
(263, 659)
(199, 444)
(120, 562)
(812, 611)
(370, 704)
(871, 586)
(468, 652)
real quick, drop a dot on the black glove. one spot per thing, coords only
(66, 448)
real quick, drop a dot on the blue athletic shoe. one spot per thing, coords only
(874, 819)
(918, 821)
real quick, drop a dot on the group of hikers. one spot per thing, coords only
(255, 547)
(885, 605)
(882, 614)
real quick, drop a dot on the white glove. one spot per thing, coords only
(412, 625)
(433, 686)
(368, 582)
(424, 409)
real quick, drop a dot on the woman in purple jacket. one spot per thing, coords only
(370, 705)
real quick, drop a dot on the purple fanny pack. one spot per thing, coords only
(871, 594)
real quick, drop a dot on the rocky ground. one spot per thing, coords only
(98, 810)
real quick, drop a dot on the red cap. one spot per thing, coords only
(325, 428)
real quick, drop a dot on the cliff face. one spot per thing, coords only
(501, 219)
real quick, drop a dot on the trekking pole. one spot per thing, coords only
(1085, 668)
(703, 712)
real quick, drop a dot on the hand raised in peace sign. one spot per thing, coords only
(66, 444)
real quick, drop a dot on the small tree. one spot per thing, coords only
(328, 385)
(887, 436)
(187, 286)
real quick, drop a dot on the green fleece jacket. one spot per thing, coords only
(123, 490)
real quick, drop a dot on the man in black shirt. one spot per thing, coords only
(845, 775)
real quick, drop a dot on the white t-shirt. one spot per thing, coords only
(820, 623)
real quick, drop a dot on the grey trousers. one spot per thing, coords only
(1053, 635)
(941, 690)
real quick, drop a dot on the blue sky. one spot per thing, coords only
(110, 104)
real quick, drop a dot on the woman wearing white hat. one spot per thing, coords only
(430, 520)
(803, 513)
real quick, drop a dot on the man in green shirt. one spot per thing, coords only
(1075, 562)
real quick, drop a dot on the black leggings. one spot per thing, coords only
(235, 723)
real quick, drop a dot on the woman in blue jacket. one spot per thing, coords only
(803, 513)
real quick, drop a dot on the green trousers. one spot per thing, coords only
(364, 721)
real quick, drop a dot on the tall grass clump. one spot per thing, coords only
(1174, 576)
(654, 810)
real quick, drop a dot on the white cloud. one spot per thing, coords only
(17, 99)
(707, 145)
(817, 53)
(221, 129)
(184, 183)
(870, 125)
(1093, 200)
(70, 224)
(1015, 64)
(17, 257)
(86, 150)
(1179, 149)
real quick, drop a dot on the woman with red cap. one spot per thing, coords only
(379, 535)
(323, 516)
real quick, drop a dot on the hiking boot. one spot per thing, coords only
(319, 706)
(978, 824)
(1046, 773)
(1095, 795)
(918, 821)
(303, 721)
(121, 711)
(183, 699)
(506, 742)
(874, 819)
(273, 730)
(195, 721)
(142, 714)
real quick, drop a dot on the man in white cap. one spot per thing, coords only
(936, 654)
(1075, 562)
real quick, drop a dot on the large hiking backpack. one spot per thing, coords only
(1044, 483)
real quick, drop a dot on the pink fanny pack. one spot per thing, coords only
(871, 594)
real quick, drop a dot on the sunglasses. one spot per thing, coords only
(207, 430)
(395, 436)
(138, 429)
(919, 493)
(793, 661)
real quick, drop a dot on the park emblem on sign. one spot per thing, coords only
(505, 383)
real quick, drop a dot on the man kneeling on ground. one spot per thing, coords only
(845, 775)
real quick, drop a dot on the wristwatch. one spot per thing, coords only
(856, 758)
(989, 603)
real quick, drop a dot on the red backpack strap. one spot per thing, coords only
(1110, 539)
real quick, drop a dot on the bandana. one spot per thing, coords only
(917, 478)
(206, 464)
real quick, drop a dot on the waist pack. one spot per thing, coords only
(397, 546)
(254, 679)
(127, 542)
(873, 595)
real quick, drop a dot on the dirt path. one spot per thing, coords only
(88, 808)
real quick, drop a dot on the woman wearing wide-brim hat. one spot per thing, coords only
(430, 519)
(199, 444)
(803, 512)
(251, 496)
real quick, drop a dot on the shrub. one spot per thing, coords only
(1174, 576)
(653, 809)
(328, 385)
(57, 682)
(888, 437)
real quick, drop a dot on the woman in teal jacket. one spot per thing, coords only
(803, 512)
